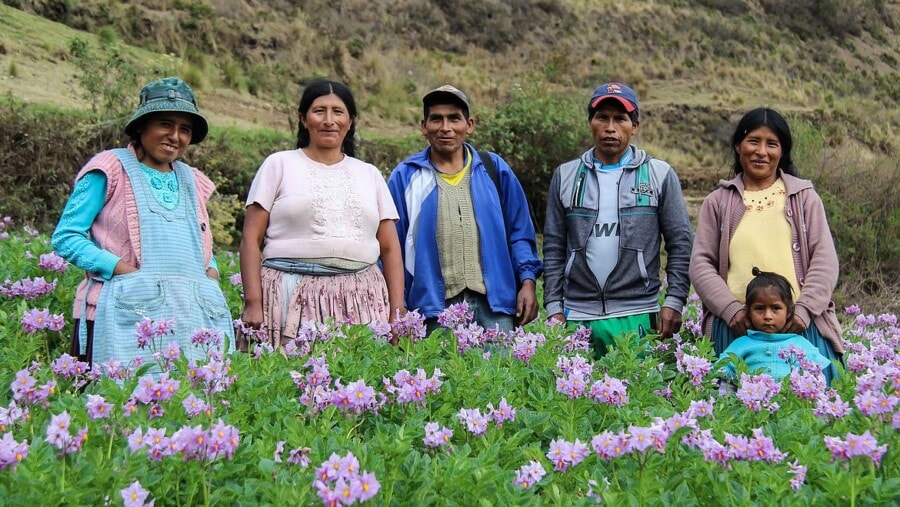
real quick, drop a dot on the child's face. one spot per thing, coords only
(768, 311)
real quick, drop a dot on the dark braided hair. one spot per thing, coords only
(320, 88)
(765, 117)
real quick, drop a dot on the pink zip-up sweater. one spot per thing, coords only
(117, 226)
(815, 258)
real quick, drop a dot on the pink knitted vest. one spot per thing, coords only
(117, 226)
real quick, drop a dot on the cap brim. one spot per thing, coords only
(444, 97)
(628, 105)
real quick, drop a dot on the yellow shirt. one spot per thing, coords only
(762, 239)
(454, 179)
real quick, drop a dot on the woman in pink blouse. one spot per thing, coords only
(317, 222)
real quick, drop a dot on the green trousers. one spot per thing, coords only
(604, 331)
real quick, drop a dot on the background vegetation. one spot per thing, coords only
(69, 72)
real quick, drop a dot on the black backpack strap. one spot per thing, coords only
(491, 169)
(495, 177)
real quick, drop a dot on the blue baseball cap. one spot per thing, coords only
(617, 91)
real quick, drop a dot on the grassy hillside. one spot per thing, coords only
(69, 74)
(695, 64)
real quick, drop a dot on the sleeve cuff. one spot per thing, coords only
(554, 307)
(674, 303)
(730, 311)
(106, 264)
(803, 313)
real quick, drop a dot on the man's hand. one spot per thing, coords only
(669, 322)
(558, 317)
(526, 303)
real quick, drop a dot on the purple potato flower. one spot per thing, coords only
(27, 288)
(411, 325)
(134, 495)
(610, 390)
(530, 474)
(12, 452)
(504, 412)
(475, 422)
(799, 477)
(52, 262)
(456, 315)
(436, 435)
(97, 407)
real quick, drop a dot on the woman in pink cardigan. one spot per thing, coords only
(768, 217)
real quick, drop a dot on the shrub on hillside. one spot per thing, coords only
(838, 18)
(863, 212)
(535, 131)
(41, 152)
(386, 152)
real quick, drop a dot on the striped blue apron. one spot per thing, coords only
(171, 282)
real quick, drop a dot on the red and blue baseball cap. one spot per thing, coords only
(617, 91)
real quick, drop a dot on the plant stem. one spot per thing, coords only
(641, 478)
(47, 348)
(571, 406)
(205, 486)
(112, 435)
(749, 485)
(357, 425)
(62, 477)
(728, 487)
(390, 493)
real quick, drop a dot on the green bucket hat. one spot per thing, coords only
(168, 94)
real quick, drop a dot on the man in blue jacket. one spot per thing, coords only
(606, 214)
(465, 227)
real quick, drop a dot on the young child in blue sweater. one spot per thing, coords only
(770, 306)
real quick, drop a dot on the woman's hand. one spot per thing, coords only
(796, 325)
(123, 268)
(396, 314)
(739, 323)
(252, 316)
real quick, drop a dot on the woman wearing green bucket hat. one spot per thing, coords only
(137, 224)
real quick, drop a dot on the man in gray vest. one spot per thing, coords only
(465, 228)
(606, 214)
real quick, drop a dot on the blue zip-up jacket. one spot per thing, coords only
(506, 235)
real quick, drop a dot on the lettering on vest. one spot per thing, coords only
(606, 230)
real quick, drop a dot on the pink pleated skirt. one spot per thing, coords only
(290, 299)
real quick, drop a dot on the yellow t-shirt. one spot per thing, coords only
(762, 239)
(454, 179)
